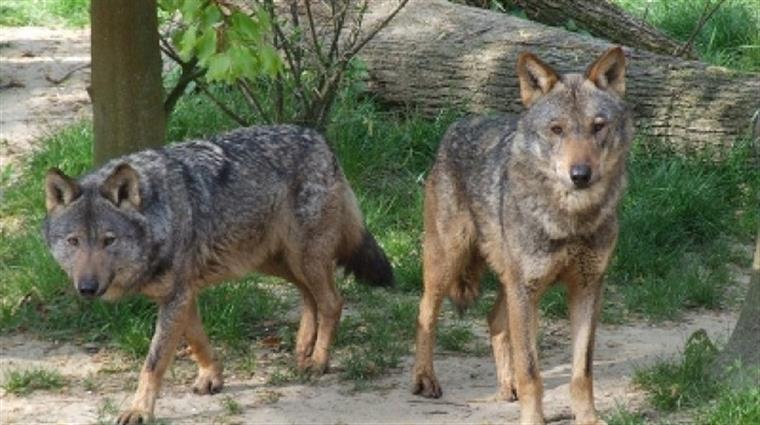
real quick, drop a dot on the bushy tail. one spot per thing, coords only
(360, 254)
(368, 263)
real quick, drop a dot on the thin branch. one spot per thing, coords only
(253, 101)
(702, 21)
(242, 122)
(314, 38)
(339, 21)
(376, 30)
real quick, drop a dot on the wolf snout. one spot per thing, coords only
(580, 175)
(88, 288)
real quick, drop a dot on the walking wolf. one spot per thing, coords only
(168, 222)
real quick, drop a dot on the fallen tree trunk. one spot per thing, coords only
(436, 54)
(603, 19)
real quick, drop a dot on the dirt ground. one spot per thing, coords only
(43, 78)
(34, 101)
(468, 381)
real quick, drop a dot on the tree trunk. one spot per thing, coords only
(438, 54)
(603, 19)
(127, 90)
(742, 348)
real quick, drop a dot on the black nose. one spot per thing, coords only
(580, 175)
(88, 287)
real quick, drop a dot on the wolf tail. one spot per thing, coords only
(361, 255)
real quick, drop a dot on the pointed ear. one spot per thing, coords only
(536, 78)
(60, 189)
(608, 72)
(122, 187)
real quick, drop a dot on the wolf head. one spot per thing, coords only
(96, 232)
(576, 129)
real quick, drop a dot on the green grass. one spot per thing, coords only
(24, 381)
(623, 416)
(733, 408)
(456, 336)
(730, 38)
(689, 385)
(682, 383)
(48, 13)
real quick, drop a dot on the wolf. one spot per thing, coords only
(535, 199)
(168, 222)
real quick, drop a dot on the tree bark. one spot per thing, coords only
(437, 54)
(742, 347)
(127, 90)
(603, 19)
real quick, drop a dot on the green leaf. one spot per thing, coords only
(219, 68)
(210, 16)
(246, 27)
(206, 45)
(244, 62)
(187, 41)
(189, 9)
(271, 63)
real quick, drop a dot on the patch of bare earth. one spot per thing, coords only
(43, 78)
(101, 381)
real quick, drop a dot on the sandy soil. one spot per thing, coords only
(34, 102)
(468, 381)
(43, 78)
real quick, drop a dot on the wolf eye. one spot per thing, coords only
(72, 240)
(108, 240)
(557, 129)
(598, 126)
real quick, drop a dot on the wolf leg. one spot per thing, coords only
(498, 324)
(585, 303)
(210, 379)
(307, 328)
(172, 317)
(320, 278)
(442, 266)
(523, 326)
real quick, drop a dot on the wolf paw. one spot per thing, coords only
(590, 421)
(312, 368)
(508, 393)
(209, 381)
(133, 417)
(427, 386)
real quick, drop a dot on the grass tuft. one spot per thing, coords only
(23, 382)
(678, 384)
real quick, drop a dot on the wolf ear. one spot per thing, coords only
(608, 72)
(122, 187)
(60, 189)
(536, 78)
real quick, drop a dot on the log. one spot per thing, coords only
(602, 19)
(436, 54)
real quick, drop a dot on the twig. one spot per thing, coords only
(702, 21)
(253, 101)
(314, 38)
(67, 75)
(242, 122)
(376, 30)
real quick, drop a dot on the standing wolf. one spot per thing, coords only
(536, 200)
(168, 222)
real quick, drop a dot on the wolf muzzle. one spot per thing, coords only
(88, 288)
